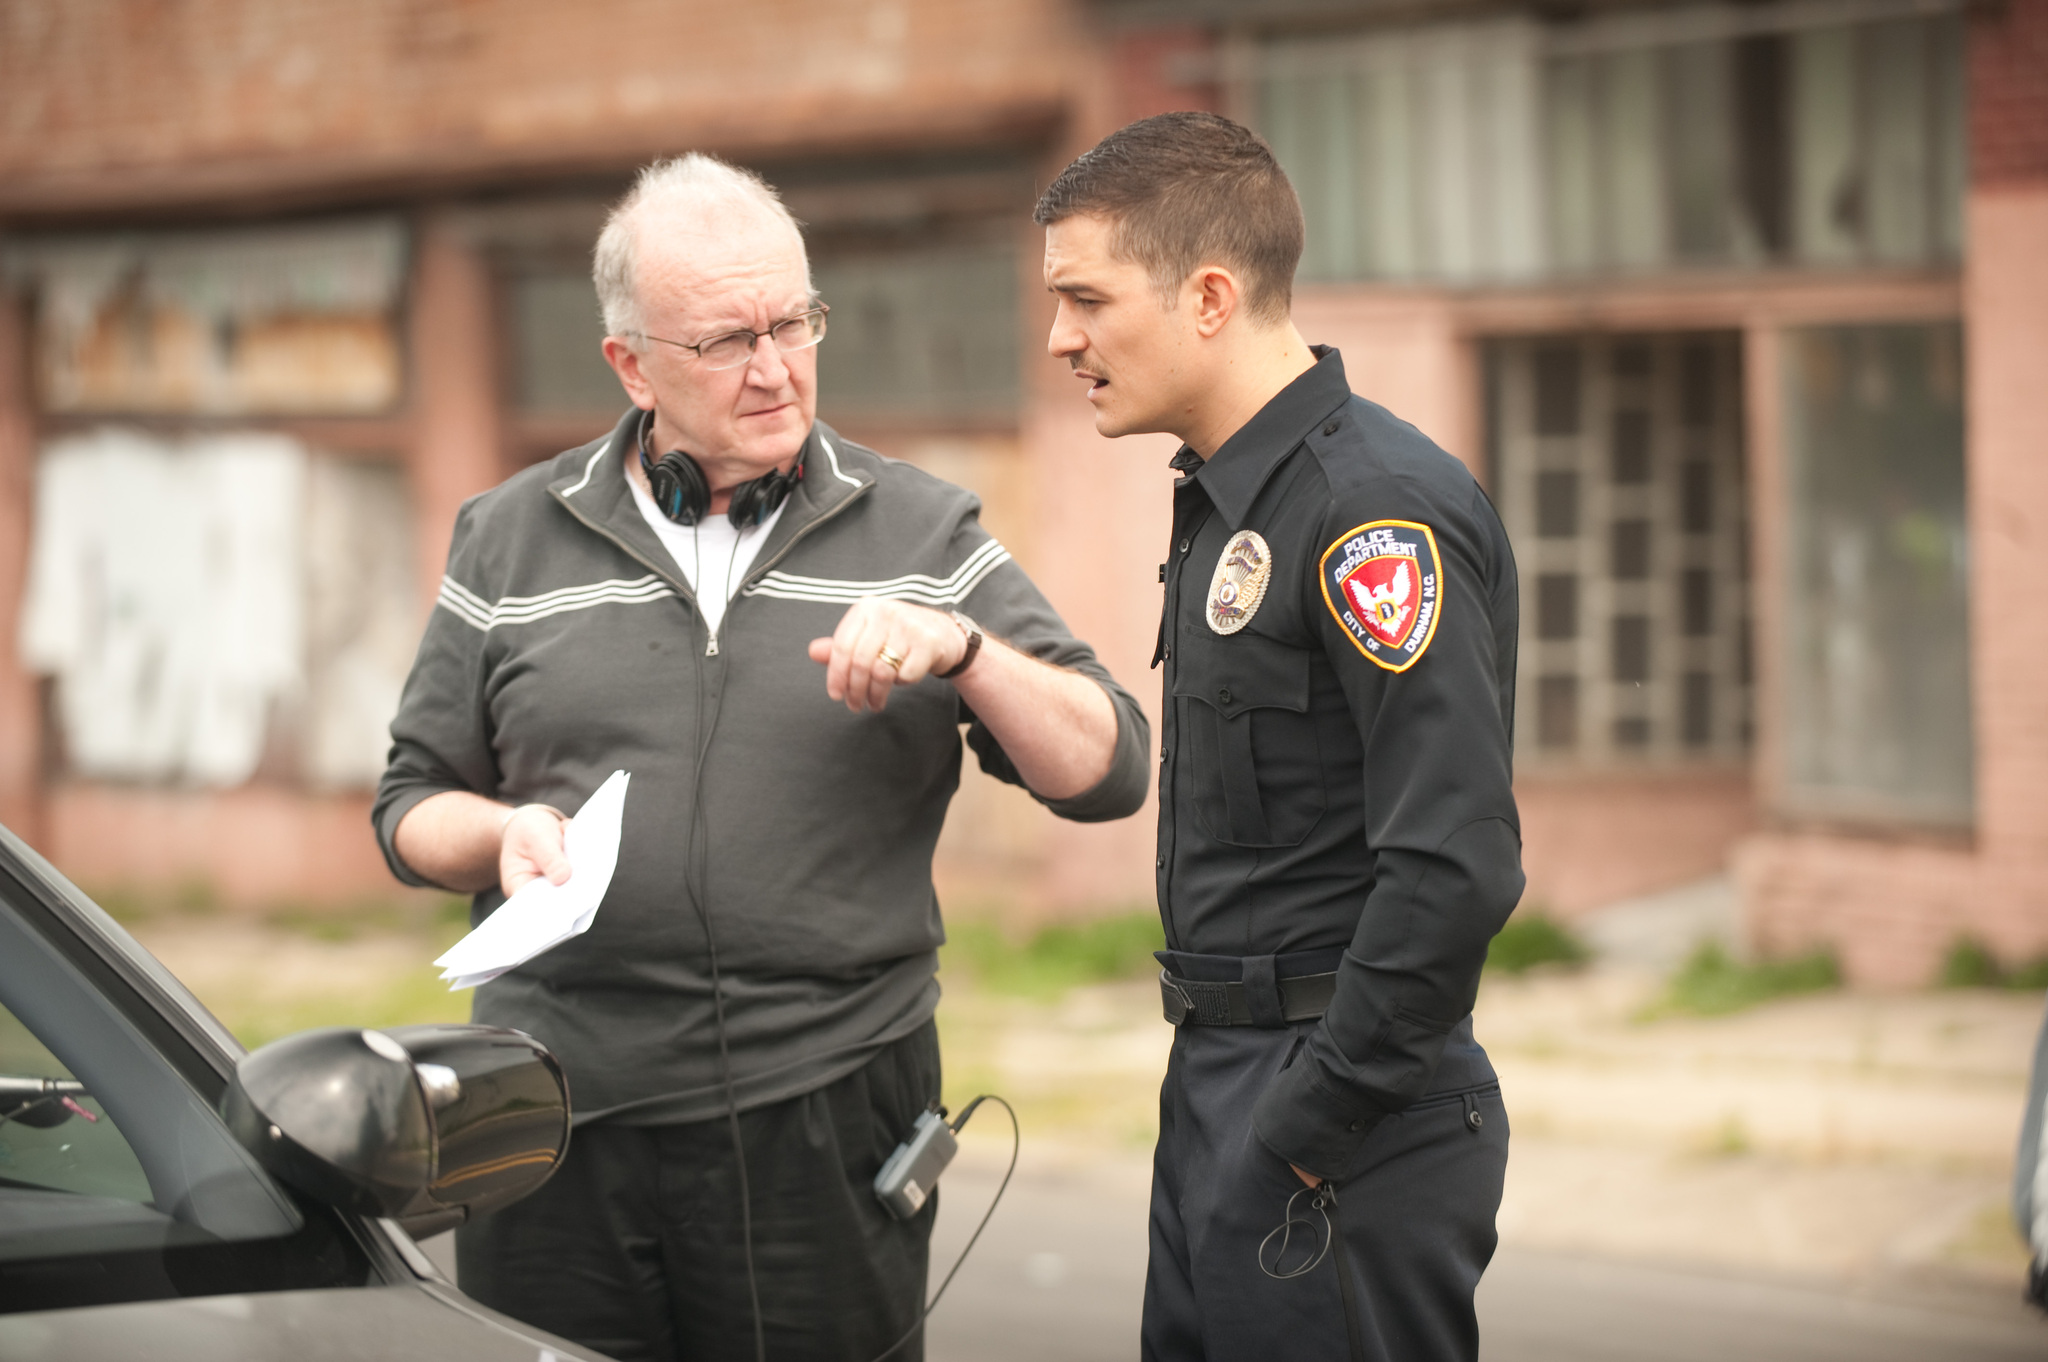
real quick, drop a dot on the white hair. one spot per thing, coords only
(687, 180)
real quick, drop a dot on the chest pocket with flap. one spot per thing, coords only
(1248, 740)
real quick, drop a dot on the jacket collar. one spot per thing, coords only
(1234, 474)
(591, 482)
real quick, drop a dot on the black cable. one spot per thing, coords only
(698, 867)
(694, 865)
(1016, 1146)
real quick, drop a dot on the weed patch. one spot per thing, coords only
(1534, 939)
(1053, 959)
(1971, 964)
(1710, 984)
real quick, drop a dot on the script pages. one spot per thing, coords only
(541, 916)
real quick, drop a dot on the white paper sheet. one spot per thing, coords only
(542, 915)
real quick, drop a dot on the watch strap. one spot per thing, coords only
(973, 632)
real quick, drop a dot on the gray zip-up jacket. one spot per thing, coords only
(565, 645)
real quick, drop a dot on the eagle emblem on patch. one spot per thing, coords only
(1384, 581)
(1242, 574)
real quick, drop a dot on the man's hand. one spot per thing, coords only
(1310, 1178)
(856, 672)
(530, 848)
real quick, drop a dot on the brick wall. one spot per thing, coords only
(1162, 70)
(2009, 93)
(119, 102)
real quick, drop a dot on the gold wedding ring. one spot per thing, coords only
(892, 657)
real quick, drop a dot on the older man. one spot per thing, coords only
(747, 1027)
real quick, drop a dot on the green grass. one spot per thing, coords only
(1054, 959)
(402, 1002)
(258, 1012)
(1532, 939)
(1710, 984)
(1971, 964)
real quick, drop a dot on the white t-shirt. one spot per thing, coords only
(712, 556)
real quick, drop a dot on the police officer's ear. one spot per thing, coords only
(1213, 295)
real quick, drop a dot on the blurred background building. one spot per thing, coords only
(1739, 311)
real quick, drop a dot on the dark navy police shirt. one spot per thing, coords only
(1335, 763)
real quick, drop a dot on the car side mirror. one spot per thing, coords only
(428, 1125)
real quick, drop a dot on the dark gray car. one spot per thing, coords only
(164, 1194)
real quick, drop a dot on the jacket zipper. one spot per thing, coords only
(760, 569)
(682, 588)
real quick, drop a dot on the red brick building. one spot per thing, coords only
(1737, 310)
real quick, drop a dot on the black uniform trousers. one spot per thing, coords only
(634, 1247)
(1414, 1227)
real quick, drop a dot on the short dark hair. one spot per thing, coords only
(1185, 190)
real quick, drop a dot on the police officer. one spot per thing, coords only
(1337, 833)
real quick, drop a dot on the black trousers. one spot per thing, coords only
(1413, 1230)
(634, 1246)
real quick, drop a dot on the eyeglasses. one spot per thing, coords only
(735, 348)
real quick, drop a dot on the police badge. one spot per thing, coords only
(1240, 582)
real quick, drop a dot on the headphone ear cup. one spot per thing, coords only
(745, 509)
(754, 500)
(679, 488)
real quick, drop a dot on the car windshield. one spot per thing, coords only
(117, 1180)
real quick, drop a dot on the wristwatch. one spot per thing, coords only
(973, 632)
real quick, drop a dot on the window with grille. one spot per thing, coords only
(1618, 471)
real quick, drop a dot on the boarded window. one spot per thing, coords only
(1877, 631)
(220, 607)
(298, 320)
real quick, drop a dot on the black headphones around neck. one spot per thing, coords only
(683, 494)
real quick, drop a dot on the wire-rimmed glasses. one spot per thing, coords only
(735, 348)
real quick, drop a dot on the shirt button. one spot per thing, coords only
(1330, 429)
(1223, 696)
(1159, 864)
(1183, 546)
(1357, 1126)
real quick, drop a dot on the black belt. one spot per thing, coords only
(1195, 1002)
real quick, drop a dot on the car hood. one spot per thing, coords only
(366, 1324)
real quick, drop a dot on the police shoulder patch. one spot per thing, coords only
(1384, 583)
